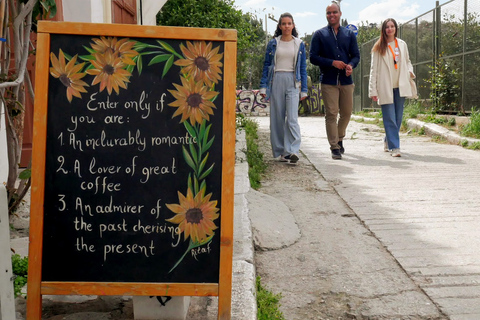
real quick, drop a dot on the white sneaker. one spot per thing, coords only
(396, 153)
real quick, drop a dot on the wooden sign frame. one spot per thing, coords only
(37, 287)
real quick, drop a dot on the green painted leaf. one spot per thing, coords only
(209, 144)
(167, 47)
(189, 181)
(167, 66)
(130, 68)
(206, 173)
(202, 128)
(202, 164)
(139, 46)
(204, 142)
(195, 181)
(159, 58)
(90, 50)
(188, 159)
(154, 52)
(87, 57)
(139, 65)
(194, 154)
(203, 186)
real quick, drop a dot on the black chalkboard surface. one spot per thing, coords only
(133, 157)
(117, 159)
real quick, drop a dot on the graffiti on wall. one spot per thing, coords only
(314, 103)
(251, 102)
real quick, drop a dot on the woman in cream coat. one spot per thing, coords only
(389, 85)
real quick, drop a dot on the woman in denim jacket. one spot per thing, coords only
(284, 74)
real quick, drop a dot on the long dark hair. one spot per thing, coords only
(278, 32)
(382, 43)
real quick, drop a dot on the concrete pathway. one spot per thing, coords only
(423, 207)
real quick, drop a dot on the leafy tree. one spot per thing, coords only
(219, 14)
(444, 85)
(367, 32)
(250, 60)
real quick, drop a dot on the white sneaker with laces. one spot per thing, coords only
(396, 153)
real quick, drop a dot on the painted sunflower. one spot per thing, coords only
(122, 47)
(69, 74)
(202, 62)
(109, 72)
(195, 215)
(193, 101)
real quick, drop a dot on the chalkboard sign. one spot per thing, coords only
(133, 161)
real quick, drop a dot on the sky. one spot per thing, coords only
(309, 15)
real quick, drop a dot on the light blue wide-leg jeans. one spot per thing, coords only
(392, 119)
(285, 134)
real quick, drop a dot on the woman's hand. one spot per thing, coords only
(375, 98)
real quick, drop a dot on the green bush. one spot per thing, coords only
(444, 85)
(256, 164)
(20, 271)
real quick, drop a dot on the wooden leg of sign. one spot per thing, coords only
(228, 177)
(34, 306)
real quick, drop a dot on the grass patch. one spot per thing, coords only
(439, 139)
(368, 114)
(472, 129)
(268, 304)
(256, 164)
(420, 132)
(474, 146)
(413, 109)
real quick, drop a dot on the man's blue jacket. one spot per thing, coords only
(327, 47)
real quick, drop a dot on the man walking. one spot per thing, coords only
(335, 50)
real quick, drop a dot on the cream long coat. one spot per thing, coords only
(380, 83)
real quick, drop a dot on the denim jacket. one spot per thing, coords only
(326, 46)
(269, 67)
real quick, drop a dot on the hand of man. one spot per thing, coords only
(375, 98)
(339, 64)
(348, 70)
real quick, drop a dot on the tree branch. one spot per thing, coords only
(21, 54)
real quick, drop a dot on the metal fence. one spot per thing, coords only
(444, 47)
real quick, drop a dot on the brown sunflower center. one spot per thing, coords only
(194, 100)
(201, 63)
(65, 80)
(109, 69)
(194, 215)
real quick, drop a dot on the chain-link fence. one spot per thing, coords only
(444, 46)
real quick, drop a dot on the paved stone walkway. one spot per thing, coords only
(424, 207)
